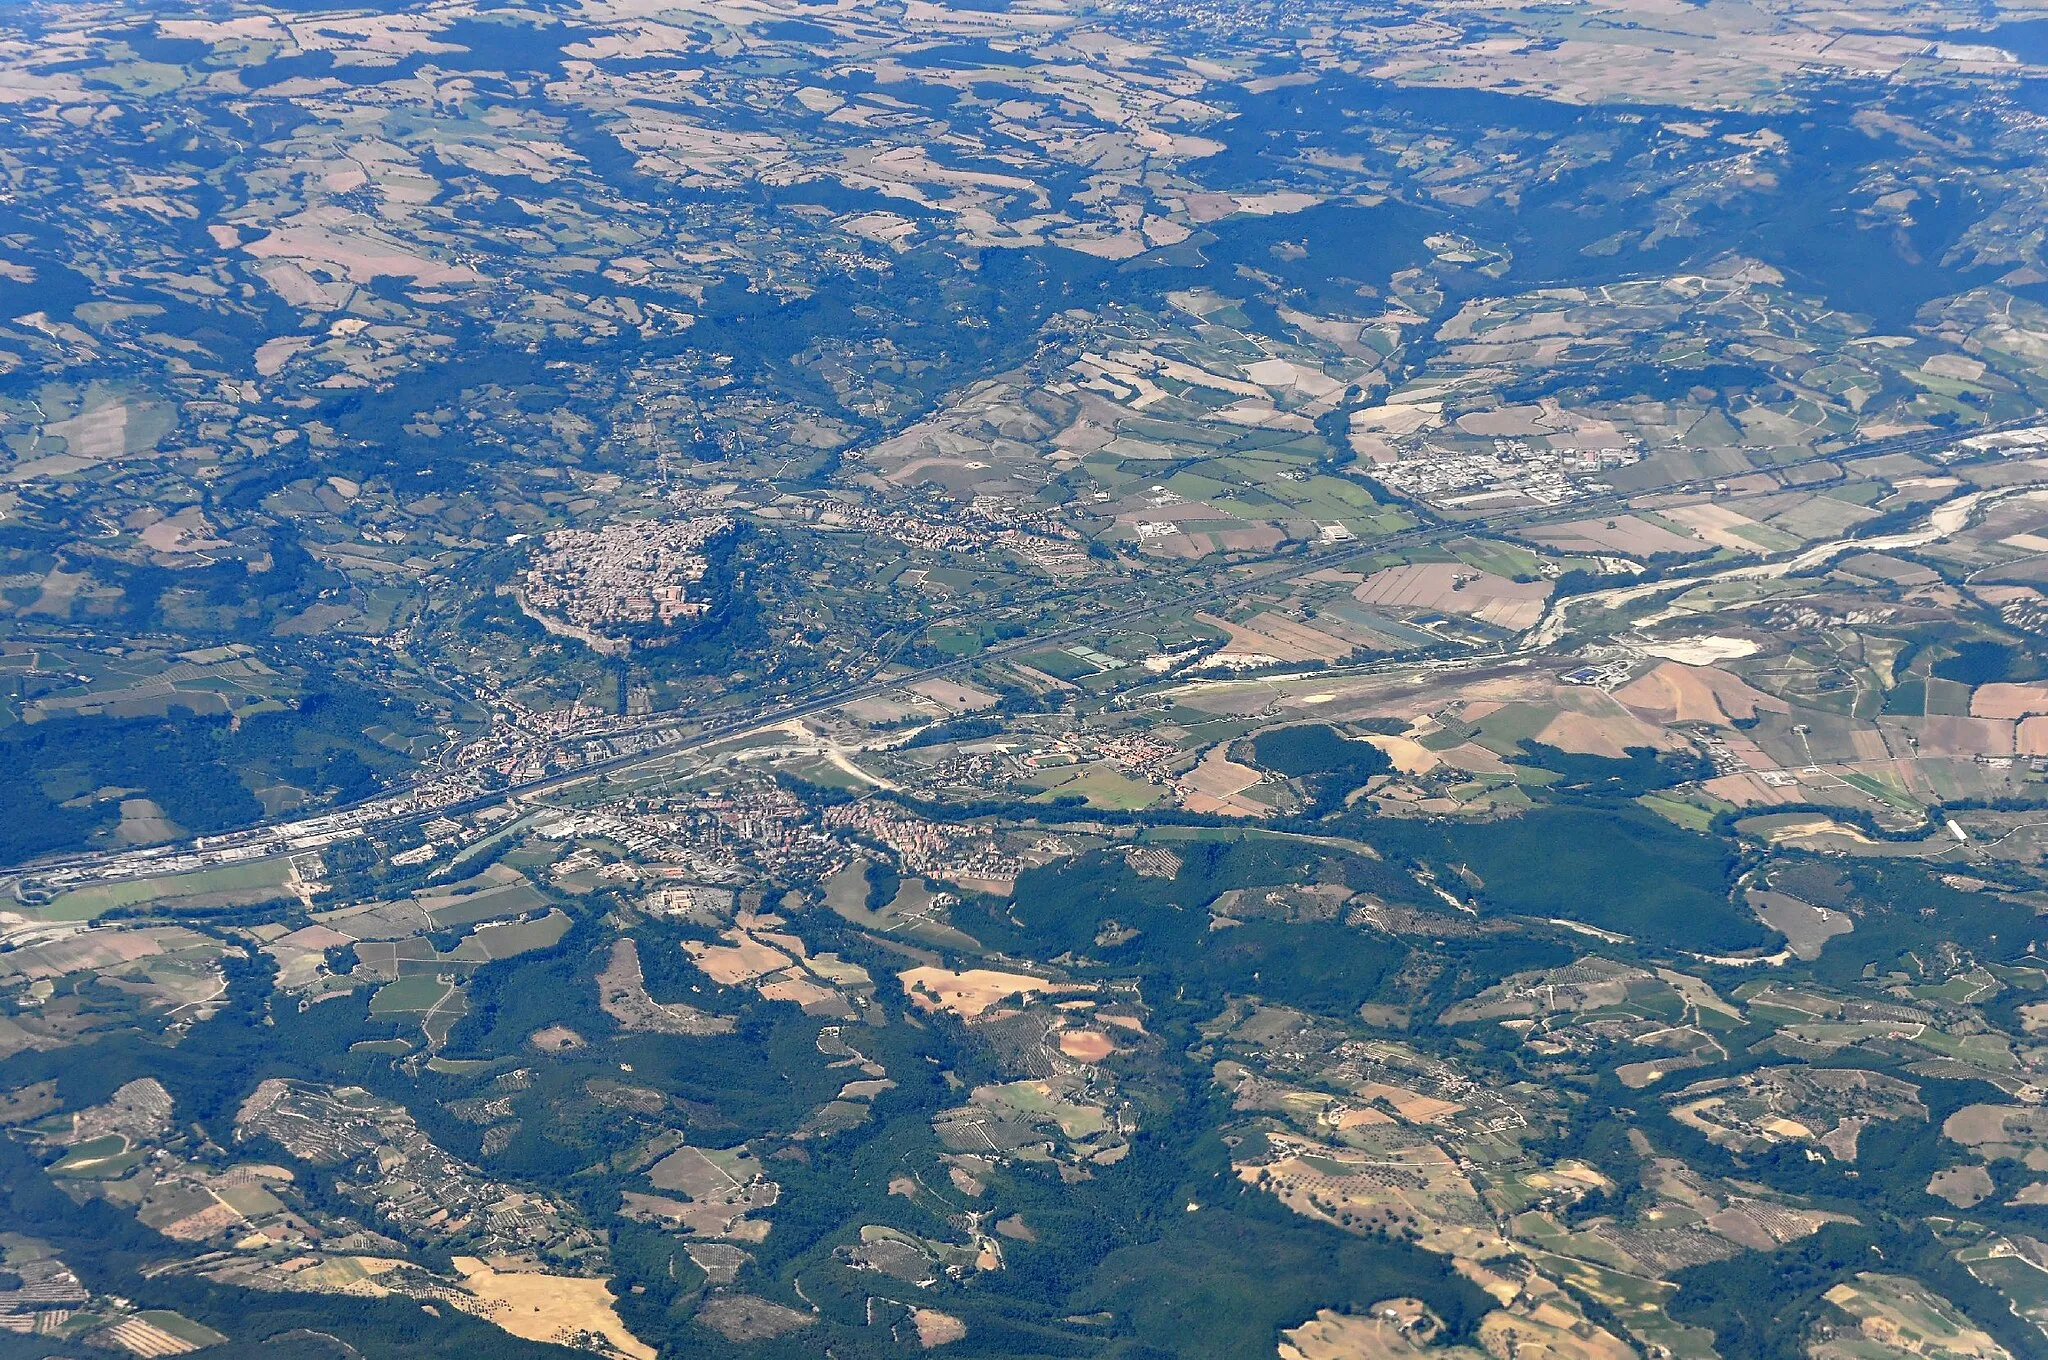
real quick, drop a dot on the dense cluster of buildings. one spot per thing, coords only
(927, 848)
(628, 573)
(1512, 469)
(998, 766)
(1030, 532)
(724, 836)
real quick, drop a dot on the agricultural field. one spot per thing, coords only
(1325, 681)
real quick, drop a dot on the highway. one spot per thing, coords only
(386, 810)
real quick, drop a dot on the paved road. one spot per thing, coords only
(1234, 582)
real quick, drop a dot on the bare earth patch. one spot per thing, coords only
(1454, 588)
(969, 993)
(1214, 785)
(935, 1328)
(1679, 693)
(622, 992)
(1806, 928)
(556, 1039)
(742, 1317)
(745, 959)
(2002, 699)
(1087, 1045)
(1386, 1331)
(1961, 1186)
(557, 1308)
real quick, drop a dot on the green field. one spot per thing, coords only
(1879, 790)
(394, 1047)
(1060, 664)
(521, 937)
(83, 904)
(1688, 815)
(514, 899)
(101, 1159)
(182, 1327)
(2022, 1282)
(475, 848)
(1104, 787)
(1502, 559)
(441, 1019)
(419, 992)
(460, 1067)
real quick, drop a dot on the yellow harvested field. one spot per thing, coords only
(138, 1337)
(779, 938)
(1624, 534)
(970, 993)
(802, 992)
(1717, 524)
(2005, 700)
(745, 959)
(953, 696)
(2031, 738)
(1215, 783)
(1087, 1045)
(1637, 1075)
(1549, 1333)
(1571, 1173)
(1454, 588)
(1965, 736)
(1331, 1335)
(356, 1275)
(1673, 693)
(1410, 1105)
(1502, 1288)
(1747, 790)
(1608, 735)
(1277, 636)
(556, 1308)
(1409, 756)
